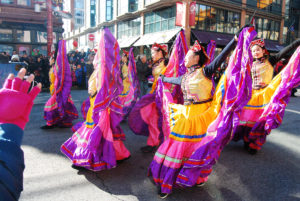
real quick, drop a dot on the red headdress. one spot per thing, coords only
(162, 47)
(197, 48)
(125, 53)
(261, 43)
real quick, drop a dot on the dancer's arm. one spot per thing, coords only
(291, 47)
(212, 67)
(172, 80)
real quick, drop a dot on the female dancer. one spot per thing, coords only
(186, 157)
(60, 110)
(269, 95)
(145, 117)
(98, 143)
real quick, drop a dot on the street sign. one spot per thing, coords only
(63, 14)
(91, 37)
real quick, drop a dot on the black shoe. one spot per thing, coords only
(148, 149)
(246, 145)
(122, 160)
(77, 167)
(47, 127)
(252, 151)
(163, 195)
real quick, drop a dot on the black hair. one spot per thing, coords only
(202, 57)
(164, 56)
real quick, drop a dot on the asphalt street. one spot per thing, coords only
(271, 175)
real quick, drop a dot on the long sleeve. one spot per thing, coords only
(211, 68)
(173, 80)
(11, 162)
(291, 47)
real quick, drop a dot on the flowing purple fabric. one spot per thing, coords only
(60, 109)
(128, 99)
(175, 68)
(93, 147)
(211, 48)
(235, 93)
(84, 110)
(273, 113)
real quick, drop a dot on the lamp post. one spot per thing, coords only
(49, 27)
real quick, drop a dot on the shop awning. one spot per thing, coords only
(223, 39)
(205, 37)
(127, 42)
(159, 37)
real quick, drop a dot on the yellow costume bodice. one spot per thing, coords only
(52, 80)
(125, 71)
(262, 74)
(195, 86)
(157, 70)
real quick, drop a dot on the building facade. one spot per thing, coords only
(23, 27)
(140, 23)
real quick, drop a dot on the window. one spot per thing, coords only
(79, 13)
(23, 36)
(41, 37)
(93, 13)
(133, 5)
(160, 20)
(24, 2)
(6, 35)
(273, 6)
(6, 48)
(7, 1)
(129, 28)
(266, 29)
(214, 19)
(109, 10)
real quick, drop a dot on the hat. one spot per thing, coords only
(162, 47)
(197, 48)
(261, 43)
(125, 53)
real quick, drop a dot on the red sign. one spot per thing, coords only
(192, 13)
(91, 37)
(179, 14)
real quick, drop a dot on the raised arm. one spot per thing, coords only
(291, 47)
(172, 80)
(212, 67)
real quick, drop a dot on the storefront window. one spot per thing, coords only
(160, 20)
(267, 29)
(6, 35)
(23, 36)
(214, 19)
(7, 1)
(6, 48)
(24, 2)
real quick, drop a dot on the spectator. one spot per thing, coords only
(25, 58)
(143, 71)
(15, 57)
(80, 75)
(4, 58)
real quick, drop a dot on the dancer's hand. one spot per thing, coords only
(16, 100)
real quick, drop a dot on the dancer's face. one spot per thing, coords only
(190, 59)
(124, 59)
(156, 55)
(257, 52)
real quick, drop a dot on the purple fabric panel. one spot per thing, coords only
(211, 48)
(108, 63)
(64, 82)
(237, 95)
(135, 121)
(93, 160)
